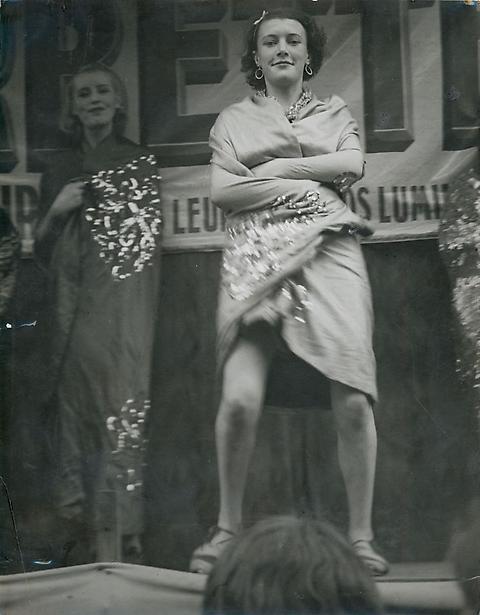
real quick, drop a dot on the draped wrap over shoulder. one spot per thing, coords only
(268, 251)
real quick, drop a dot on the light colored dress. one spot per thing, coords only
(303, 274)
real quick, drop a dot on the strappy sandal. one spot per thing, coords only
(205, 556)
(365, 550)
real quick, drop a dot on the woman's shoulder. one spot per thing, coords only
(136, 149)
(235, 111)
(113, 152)
(333, 102)
(58, 158)
(227, 120)
(59, 166)
(332, 107)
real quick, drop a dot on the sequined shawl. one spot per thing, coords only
(119, 225)
(261, 252)
(459, 241)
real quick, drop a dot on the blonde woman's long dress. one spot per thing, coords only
(104, 267)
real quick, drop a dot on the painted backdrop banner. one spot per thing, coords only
(407, 69)
(408, 72)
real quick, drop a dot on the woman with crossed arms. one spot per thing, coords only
(293, 272)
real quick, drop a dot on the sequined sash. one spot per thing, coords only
(125, 218)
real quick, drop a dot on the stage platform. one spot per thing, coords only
(123, 589)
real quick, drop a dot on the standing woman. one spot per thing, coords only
(293, 271)
(99, 241)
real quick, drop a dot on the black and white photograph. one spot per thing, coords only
(239, 307)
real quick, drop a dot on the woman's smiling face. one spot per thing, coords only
(282, 52)
(94, 100)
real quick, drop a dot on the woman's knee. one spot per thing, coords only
(353, 411)
(244, 377)
(240, 407)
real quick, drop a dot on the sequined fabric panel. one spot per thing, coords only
(128, 442)
(125, 220)
(466, 300)
(257, 248)
(461, 225)
(459, 241)
(290, 300)
(296, 295)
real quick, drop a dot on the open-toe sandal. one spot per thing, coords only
(375, 562)
(205, 556)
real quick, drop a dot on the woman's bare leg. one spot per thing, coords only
(244, 381)
(357, 452)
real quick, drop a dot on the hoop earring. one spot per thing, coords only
(259, 75)
(308, 70)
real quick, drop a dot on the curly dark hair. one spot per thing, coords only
(316, 42)
(286, 565)
(70, 124)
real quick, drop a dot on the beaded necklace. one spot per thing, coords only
(292, 112)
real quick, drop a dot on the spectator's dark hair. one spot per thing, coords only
(69, 122)
(316, 41)
(290, 566)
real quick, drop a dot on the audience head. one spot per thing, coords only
(290, 566)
